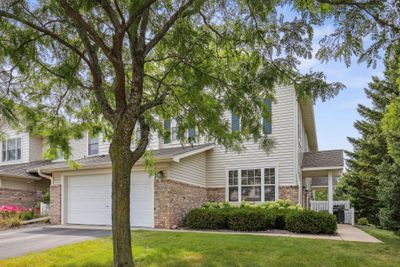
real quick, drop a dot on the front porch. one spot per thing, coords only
(321, 171)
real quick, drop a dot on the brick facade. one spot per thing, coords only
(289, 192)
(172, 200)
(55, 204)
(22, 198)
(216, 194)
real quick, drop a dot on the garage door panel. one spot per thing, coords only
(89, 200)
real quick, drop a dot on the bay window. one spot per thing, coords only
(11, 149)
(252, 185)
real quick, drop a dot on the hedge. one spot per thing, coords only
(250, 220)
(312, 222)
(261, 219)
(207, 218)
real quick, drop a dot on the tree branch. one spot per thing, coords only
(167, 26)
(47, 32)
(76, 16)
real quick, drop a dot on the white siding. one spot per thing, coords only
(35, 148)
(18, 184)
(190, 170)
(282, 157)
(11, 133)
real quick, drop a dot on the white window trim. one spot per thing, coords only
(239, 169)
(87, 145)
(6, 157)
(174, 124)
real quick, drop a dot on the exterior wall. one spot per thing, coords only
(18, 184)
(11, 133)
(191, 170)
(55, 204)
(35, 148)
(17, 197)
(289, 192)
(216, 194)
(282, 156)
(172, 201)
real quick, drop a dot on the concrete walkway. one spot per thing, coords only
(345, 232)
(350, 233)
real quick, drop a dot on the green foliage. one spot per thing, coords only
(248, 217)
(46, 197)
(26, 215)
(207, 218)
(391, 129)
(198, 68)
(312, 222)
(244, 219)
(371, 167)
(362, 221)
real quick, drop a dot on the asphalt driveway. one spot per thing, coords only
(24, 240)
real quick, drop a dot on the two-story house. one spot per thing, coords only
(189, 176)
(21, 151)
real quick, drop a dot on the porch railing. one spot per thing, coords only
(323, 206)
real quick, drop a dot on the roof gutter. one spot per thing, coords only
(41, 174)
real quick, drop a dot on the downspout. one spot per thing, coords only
(46, 176)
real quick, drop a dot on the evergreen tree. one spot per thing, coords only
(364, 175)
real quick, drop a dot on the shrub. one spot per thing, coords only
(46, 197)
(26, 215)
(312, 222)
(246, 219)
(209, 218)
(362, 221)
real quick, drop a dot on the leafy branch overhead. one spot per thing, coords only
(101, 63)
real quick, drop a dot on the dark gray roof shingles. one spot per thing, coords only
(321, 159)
(21, 170)
(105, 159)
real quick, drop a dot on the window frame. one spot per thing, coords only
(5, 149)
(89, 137)
(263, 184)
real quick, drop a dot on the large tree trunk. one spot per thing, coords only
(122, 164)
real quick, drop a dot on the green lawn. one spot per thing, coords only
(153, 248)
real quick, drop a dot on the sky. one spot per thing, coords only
(335, 117)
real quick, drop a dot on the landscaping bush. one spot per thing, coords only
(26, 215)
(260, 217)
(202, 218)
(245, 219)
(312, 222)
(363, 221)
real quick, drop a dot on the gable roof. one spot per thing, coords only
(22, 170)
(323, 159)
(165, 154)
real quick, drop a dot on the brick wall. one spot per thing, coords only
(289, 192)
(216, 194)
(22, 198)
(172, 201)
(55, 204)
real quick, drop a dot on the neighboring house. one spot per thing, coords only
(20, 152)
(188, 176)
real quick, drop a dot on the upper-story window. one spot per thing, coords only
(253, 184)
(171, 128)
(266, 120)
(11, 149)
(93, 145)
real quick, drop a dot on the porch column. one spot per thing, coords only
(330, 192)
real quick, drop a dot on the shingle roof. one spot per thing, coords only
(21, 170)
(323, 159)
(164, 153)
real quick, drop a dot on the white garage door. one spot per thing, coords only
(89, 200)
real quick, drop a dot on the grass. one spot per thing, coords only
(154, 248)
